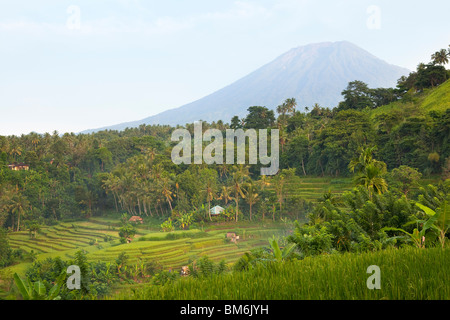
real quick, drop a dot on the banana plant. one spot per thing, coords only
(278, 253)
(416, 236)
(36, 290)
(107, 273)
(439, 219)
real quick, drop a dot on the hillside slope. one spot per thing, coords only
(434, 99)
(438, 99)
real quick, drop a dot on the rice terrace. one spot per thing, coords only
(321, 174)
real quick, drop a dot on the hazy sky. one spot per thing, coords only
(81, 64)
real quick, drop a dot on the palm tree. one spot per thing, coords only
(283, 137)
(35, 140)
(282, 109)
(166, 192)
(369, 172)
(364, 159)
(251, 195)
(238, 178)
(440, 57)
(280, 179)
(264, 181)
(223, 170)
(225, 194)
(220, 125)
(18, 207)
(210, 193)
(111, 184)
(151, 153)
(371, 178)
(291, 104)
(15, 151)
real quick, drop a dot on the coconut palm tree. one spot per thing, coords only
(291, 104)
(371, 178)
(210, 194)
(15, 150)
(364, 159)
(223, 170)
(251, 195)
(282, 109)
(18, 207)
(279, 182)
(264, 181)
(369, 172)
(238, 178)
(440, 57)
(283, 137)
(35, 140)
(225, 194)
(166, 192)
(110, 185)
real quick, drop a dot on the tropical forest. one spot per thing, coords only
(363, 183)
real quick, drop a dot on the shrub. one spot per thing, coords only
(167, 225)
(205, 267)
(165, 277)
(312, 240)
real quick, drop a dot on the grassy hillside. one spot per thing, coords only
(438, 99)
(312, 188)
(434, 99)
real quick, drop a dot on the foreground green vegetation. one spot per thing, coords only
(112, 266)
(406, 274)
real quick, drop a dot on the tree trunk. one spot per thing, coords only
(209, 210)
(115, 202)
(303, 167)
(150, 208)
(237, 207)
(145, 208)
(18, 221)
(170, 205)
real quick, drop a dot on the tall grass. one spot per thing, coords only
(406, 274)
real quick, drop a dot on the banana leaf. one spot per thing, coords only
(23, 287)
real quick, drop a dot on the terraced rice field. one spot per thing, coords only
(313, 188)
(62, 237)
(65, 239)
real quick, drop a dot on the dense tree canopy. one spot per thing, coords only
(83, 175)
